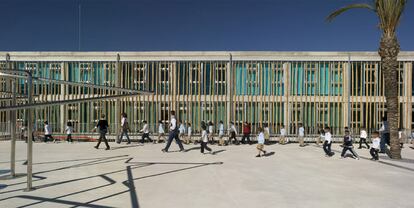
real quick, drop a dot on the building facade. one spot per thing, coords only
(335, 89)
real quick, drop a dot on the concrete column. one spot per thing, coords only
(63, 114)
(286, 109)
(229, 94)
(118, 72)
(347, 94)
(407, 101)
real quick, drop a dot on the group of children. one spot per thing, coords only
(207, 135)
(348, 143)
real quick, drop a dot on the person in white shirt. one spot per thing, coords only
(124, 129)
(301, 135)
(321, 135)
(328, 142)
(161, 132)
(204, 138)
(260, 142)
(232, 133)
(211, 132)
(188, 137)
(181, 129)
(282, 139)
(221, 133)
(48, 132)
(363, 138)
(173, 134)
(69, 130)
(145, 132)
(375, 146)
(266, 132)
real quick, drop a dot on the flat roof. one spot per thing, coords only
(59, 56)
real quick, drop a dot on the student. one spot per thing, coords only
(348, 146)
(69, 130)
(48, 132)
(328, 142)
(124, 129)
(211, 132)
(145, 132)
(102, 127)
(301, 135)
(375, 146)
(232, 133)
(181, 129)
(385, 135)
(266, 132)
(173, 134)
(161, 132)
(204, 138)
(188, 137)
(363, 138)
(321, 136)
(246, 133)
(221, 133)
(282, 139)
(260, 142)
(401, 137)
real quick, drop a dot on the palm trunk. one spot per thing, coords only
(389, 49)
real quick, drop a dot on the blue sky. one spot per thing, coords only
(185, 25)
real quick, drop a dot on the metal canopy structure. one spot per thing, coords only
(30, 105)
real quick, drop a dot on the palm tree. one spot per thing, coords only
(389, 13)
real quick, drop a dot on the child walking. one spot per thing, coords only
(161, 132)
(204, 138)
(375, 146)
(69, 130)
(232, 133)
(266, 132)
(282, 139)
(301, 135)
(363, 138)
(48, 132)
(221, 133)
(348, 146)
(188, 138)
(260, 142)
(211, 132)
(328, 142)
(145, 132)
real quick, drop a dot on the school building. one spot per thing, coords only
(278, 88)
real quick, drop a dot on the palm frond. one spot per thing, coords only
(389, 13)
(346, 8)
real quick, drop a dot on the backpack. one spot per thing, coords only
(125, 126)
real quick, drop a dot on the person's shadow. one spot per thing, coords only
(268, 154)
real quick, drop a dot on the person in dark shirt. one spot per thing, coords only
(348, 146)
(102, 127)
(246, 133)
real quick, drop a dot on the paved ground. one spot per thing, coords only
(77, 175)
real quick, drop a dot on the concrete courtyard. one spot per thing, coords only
(77, 175)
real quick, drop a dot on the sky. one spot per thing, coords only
(192, 25)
